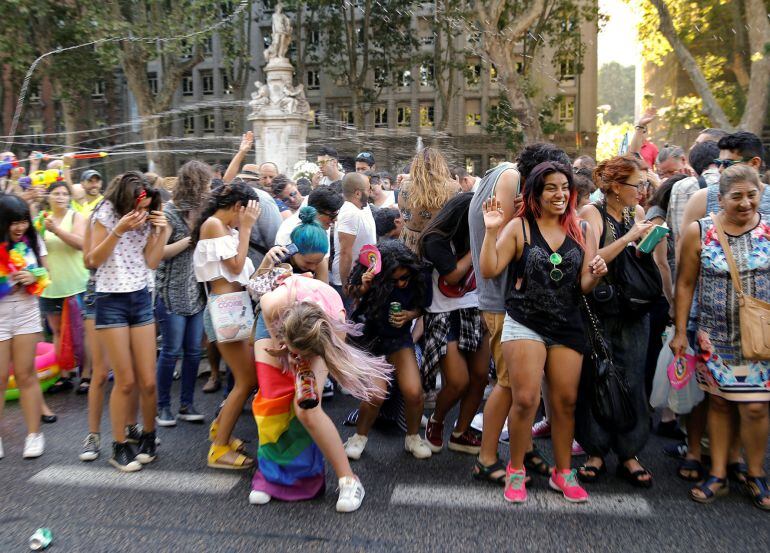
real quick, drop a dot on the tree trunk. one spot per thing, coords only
(77, 114)
(711, 107)
(759, 82)
(524, 109)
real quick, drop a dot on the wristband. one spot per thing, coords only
(116, 233)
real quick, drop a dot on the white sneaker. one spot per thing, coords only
(351, 494)
(355, 445)
(414, 445)
(34, 445)
(258, 498)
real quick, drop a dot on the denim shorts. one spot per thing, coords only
(118, 309)
(261, 332)
(513, 330)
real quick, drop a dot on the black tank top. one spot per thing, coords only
(549, 307)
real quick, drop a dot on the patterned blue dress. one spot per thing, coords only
(721, 367)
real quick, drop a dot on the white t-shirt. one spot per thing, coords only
(125, 270)
(390, 200)
(443, 304)
(283, 236)
(355, 221)
(326, 181)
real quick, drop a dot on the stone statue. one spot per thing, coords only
(261, 95)
(281, 35)
(293, 99)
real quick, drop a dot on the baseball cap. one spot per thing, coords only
(88, 174)
(366, 157)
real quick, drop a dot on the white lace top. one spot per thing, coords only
(210, 253)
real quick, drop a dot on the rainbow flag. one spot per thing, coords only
(291, 466)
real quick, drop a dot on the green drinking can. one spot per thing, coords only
(40, 539)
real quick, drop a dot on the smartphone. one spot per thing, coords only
(291, 249)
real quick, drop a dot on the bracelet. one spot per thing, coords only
(117, 234)
(640, 127)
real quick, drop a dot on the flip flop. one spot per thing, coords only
(484, 473)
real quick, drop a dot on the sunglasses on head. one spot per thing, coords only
(730, 162)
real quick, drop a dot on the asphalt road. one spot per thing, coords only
(178, 504)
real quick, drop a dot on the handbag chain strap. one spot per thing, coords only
(597, 341)
(734, 275)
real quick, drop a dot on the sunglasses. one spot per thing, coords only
(404, 278)
(291, 195)
(730, 162)
(556, 274)
(322, 162)
(331, 215)
(639, 186)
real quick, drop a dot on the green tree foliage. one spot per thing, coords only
(724, 47)
(616, 90)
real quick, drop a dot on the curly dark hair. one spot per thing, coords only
(223, 197)
(394, 255)
(451, 223)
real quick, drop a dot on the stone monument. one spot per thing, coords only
(279, 110)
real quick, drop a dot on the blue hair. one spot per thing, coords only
(309, 236)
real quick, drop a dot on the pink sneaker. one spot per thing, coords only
(577, 449)
(565, 481)
(541, 429)
(515, 485)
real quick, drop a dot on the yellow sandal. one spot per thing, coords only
(235, 443)
(216, 452)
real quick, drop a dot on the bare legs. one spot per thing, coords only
(21, 351)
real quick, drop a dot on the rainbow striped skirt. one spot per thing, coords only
(291, 466)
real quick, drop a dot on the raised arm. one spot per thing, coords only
(247, 141)
(499, 247)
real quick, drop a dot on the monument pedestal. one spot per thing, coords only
(280, 115)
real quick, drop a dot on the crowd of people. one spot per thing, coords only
(539, 284)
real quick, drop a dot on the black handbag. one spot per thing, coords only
(635, 279)
(611, 403)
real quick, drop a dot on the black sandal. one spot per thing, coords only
(85, 384)
(61, 385)
(634, 478)
(709, 495)
(757, 488)
(484, 473)
(738, 472)
(535, 461)
(589, 474)
(691, 465)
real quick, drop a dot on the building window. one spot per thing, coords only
(34, 93)
(404, 118)
(97, 92)
(228, 125)
(380, 75)
(208, 46)
(314, 38)
(313, 80)
(346, 116)
(473, 164)
(187, 85)
(226, 87)
(209, 123)
(152, 82)
(472, 75)
(187, 49)
(426, 75)
(493, 76)
(567, 70)
(314, 120)
(567, 111)
(360, 36)
(189, 124)
(427, 39)
(426, 115)
(207, 81)
(405, 79)
(520, 67)
(380, 117)
(472, 113)
(474, 38)
(36, 131)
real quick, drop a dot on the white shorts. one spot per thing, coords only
(19, 314)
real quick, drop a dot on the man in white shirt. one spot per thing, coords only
(354, 229)
(329, 166)
(466, 182)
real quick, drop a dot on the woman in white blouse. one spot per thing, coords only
(221, 262)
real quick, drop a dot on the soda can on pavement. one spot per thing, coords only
(40, 539)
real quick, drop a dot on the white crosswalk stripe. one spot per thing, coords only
(148, 480)
(540, 500)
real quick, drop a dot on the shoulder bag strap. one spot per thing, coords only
(728, 254)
